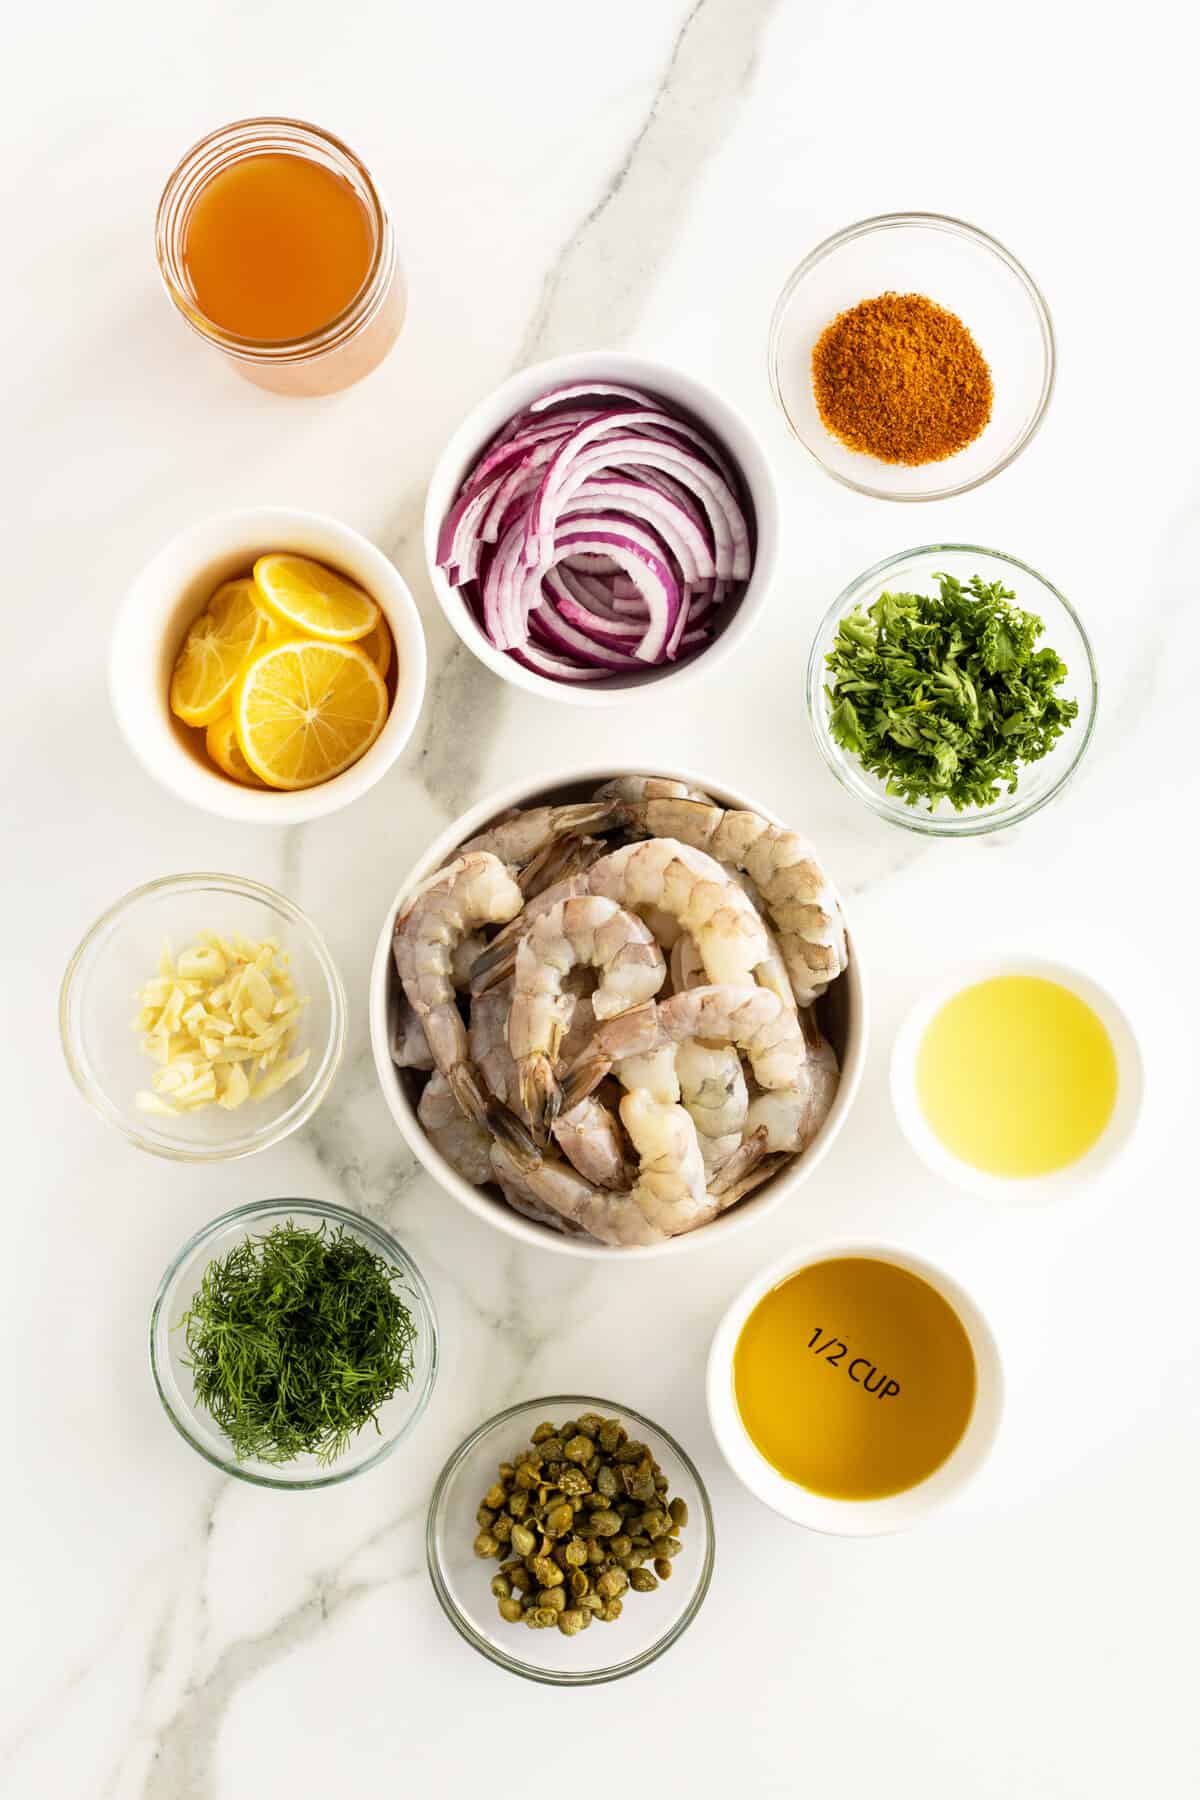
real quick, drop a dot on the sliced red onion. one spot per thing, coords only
(598, 533)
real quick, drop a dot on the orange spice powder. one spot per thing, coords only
(901, 379)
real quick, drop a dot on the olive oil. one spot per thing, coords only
(1017, 1076)
(855, 1378)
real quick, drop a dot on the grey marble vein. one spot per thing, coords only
(595, 291)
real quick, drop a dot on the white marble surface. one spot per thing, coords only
(644, 174)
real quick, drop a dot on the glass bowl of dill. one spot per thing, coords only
(643, 1624)
(952, 690)
(293, 1343)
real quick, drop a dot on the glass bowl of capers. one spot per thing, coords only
(570, 1540)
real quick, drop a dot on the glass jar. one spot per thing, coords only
(338, 353)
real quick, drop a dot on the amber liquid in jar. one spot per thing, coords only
(276, 247)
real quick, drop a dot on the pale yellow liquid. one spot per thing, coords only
(855, 1378)
(1017, 1076)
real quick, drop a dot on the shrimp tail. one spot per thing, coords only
(755, 1178)
(513, 1134)
(465, 1086)
(492, 966)
(541, 1096)
(737, 1166)
(583, 1078)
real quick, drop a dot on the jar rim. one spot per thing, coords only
(192, 174)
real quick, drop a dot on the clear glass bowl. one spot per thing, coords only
(960, 268)
(119, 955)
(649, 1623)
(168, 1350)
(912, 571)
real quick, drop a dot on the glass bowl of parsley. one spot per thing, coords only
(293, 1343)
(952, 689)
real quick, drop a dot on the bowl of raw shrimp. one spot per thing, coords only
(599, 1038)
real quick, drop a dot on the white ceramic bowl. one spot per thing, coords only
(854, 1518)
(728, 427)
(843, 1014)
(1104, 1154)
(172, 590)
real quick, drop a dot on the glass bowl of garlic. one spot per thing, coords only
(203, 1016)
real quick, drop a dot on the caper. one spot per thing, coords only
(559, 1520)
(577, 1515)
(523, 1540)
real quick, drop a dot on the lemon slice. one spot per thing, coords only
(215, 651)
(378, 646)
(305, 711)
(220, 740)
(306, 597)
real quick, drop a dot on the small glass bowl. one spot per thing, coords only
(649, 1623)
(912, 571)
(959, 268)
(98, 1001)
(168, 1350)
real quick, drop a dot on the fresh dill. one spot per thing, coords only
(295, 1339)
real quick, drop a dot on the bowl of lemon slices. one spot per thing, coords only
(268, 665)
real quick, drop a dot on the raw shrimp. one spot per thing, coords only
(408, 1044)
(588, 930)
(487, 1041)
(523, 842)
(667, 1198)
(589, 1136)
(754, 1019)
(793, 1116)
(635, 788)
(499, 959)
(464, 1144)
(693, 888)
(799, 899)
(473, 890)
(514, 1185)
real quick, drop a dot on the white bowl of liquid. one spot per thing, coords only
(1047, 1102)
